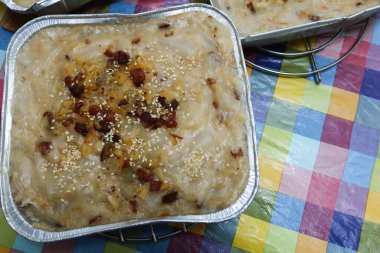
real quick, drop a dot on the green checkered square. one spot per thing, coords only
(7, 235)
(262, 205)
(316, 97)
(275, 143)
(375, 182)
(370, 238)
(282, 114)
(112, 247)
(280, 240)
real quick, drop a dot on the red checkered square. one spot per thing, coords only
(359, 56)
(148, 5)
(323, 190)
(337, 131)
(349, 77)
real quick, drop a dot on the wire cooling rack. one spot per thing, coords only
(129, 234)
(126, 235)
(310, 53)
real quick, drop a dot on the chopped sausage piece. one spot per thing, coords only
(144, 175)
(109, 53)
(94, 220)
(164, 26)
(170, 197)
(168, 34)
(236, 94)
(67, 122)
(106, 152)
(102, 126)
(215, 104)
(76, 90)
(109, 116)
(81, 128)
(136, 40)
(68, 81)
(133, 204)
(210, 81)
(45, 147)
(137, 76)
(238, 153)
(173, 105)
(161, 100)
(77, 107)
(116, 138)
(314, 18)
(123, 102)
(251, 7)
(148, 121)
(155, 185)
(126, 164)
(93, 110)
(122, 57)
(171, 121)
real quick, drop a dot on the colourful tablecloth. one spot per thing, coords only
(319, 161)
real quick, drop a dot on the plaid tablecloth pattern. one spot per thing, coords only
(319, 160)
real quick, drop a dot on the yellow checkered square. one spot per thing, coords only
(290, 89)
(4, 250)
(316, 97)
(270, 173)
(373, 207)
(251, 234)
(343, 104)
(198, 229)
(310, 244)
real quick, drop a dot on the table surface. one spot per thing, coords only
(319, 160)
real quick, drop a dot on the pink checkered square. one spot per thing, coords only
(295, 181)
(331, 160)
(332, 51)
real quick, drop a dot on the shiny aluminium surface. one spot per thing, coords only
(304, 30)
(13, 214)
(46, 6)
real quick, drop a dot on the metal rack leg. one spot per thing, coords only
(121, 236)
(184, 228)
(153, 234)
(313, 63)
